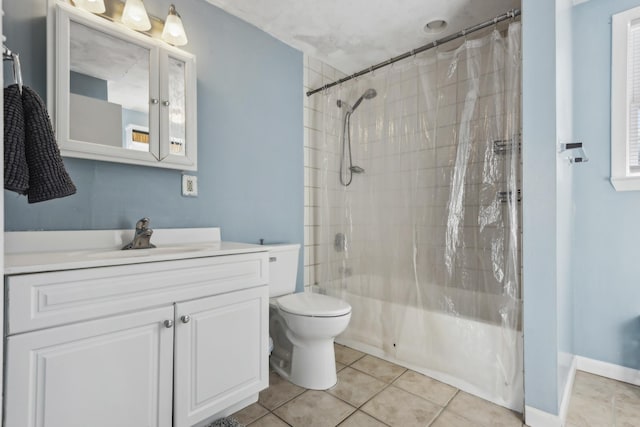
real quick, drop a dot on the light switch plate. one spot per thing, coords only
(189, 185)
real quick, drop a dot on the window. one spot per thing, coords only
(625, 101)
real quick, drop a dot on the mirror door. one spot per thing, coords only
(177, 91)
(108, 92)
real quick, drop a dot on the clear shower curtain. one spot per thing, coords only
(425, 243)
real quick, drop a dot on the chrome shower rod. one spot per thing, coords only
(513, 13)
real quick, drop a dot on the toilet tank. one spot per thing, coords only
(283, 268)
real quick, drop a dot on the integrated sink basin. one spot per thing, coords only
(37, 251)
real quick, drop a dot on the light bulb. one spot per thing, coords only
(135, 15)
(93, 6)
(173, 31)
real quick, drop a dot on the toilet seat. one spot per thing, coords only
(313, 305)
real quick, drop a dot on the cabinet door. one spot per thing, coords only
(221, 353)
(104, 373)
(107, 90)
(178, 139)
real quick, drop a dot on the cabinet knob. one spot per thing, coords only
(168, 323)
(165, 103)
(186, 318)
(154, 100)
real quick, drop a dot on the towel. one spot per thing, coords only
(16, 171)
(48, 179)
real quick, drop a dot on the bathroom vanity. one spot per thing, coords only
(150, 337)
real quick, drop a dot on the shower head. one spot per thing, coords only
(368, 94)
(356, 169)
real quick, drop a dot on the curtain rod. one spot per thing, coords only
(508, 15)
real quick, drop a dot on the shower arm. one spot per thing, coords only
(512, 14)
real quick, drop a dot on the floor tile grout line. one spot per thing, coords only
(365, 413)
(370, 399)
(281, 419)
(433, 421)
(451, 398)
(351, 404)
(426, 398)
(304, 390)
(268, 413)
(349, 364)
(252, 421)
(386, 382)
(355, 409)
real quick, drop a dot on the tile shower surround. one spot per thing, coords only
(436, 166)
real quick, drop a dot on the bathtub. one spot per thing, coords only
(483, 358)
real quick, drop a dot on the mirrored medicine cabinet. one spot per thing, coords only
(119, 95)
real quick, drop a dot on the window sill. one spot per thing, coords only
(626, 183)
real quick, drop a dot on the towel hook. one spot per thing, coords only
(15, 59)
(17, 71)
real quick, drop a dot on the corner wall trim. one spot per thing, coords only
(608, 370)
(568, 388)
(537, 418)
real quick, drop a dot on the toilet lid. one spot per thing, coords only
(313, 305)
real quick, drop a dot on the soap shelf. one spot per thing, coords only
(507, 196)
(506, 146)
(574, 152)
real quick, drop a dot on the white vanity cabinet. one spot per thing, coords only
(120, 96)
(151, 344)
(212, 333)
(108, 372)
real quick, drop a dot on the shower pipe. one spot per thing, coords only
(512, 14)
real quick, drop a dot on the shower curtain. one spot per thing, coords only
(425, 243)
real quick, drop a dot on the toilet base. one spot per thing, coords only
(312, 364)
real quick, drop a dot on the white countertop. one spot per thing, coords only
(41, 251)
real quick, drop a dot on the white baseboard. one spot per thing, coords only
(536, 418)
(609, 370)
(568, 388)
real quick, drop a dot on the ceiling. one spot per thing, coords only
(352, 35)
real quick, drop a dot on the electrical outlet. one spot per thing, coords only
(189, 185)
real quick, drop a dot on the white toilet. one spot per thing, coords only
(302, 326)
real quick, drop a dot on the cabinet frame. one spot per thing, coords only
(59, 18)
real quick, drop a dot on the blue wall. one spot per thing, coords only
(606, 252)
(539, 204)
(250, 138)
(564, 194)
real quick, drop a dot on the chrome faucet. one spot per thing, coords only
(142, 237)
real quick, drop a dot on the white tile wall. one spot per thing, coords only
(316, 74)
(389, 170)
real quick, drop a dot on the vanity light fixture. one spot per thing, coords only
(135, 15)
(93, 6)
(173, 31)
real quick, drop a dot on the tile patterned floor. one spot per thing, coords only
(598, 401)
(372, 392)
